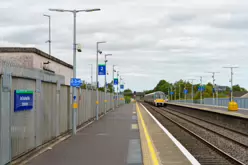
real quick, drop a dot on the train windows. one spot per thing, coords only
(157, 96)
(162, 96)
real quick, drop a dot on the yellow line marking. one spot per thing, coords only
(134, 126)
(148, 139)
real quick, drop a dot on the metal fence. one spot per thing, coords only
(242, 102)
(51, 115)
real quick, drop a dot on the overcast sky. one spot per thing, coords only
(150, 39)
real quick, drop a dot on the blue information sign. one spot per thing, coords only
(101, 69)
(185, 91)
(172, 93)
(23, 100)
(122, 86)
(201, 88)
(76, 82)
(116, 81)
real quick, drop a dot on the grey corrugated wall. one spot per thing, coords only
(51, 115)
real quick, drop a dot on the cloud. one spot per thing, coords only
(149, 40)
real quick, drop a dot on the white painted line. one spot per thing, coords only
(190, 157)
(85, 126)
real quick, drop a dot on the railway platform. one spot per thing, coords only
(163, 148)
(129, 135)
(222, 110)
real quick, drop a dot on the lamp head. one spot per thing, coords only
(58, 10)
(91, 10)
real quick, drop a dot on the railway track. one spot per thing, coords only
(235, 136)
(208, 142)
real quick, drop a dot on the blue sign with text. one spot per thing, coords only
(23, 100)
(116, 81)
(122, 86)
(76, 82)
(101, 69)
(185, 91)
(172, 93)
(201, 88)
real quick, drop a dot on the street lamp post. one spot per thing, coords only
(168, 93)
(75, 106)
(97, 83)
(105, 88)
(171, 93)
(192, 90)
(49, 40)
(179, 90)
(175, 96)
(185, 94)
(213, 85)
(91, 75)
(231, 80)
(121, 82)
(118, 89)
(201, 88)
(114, 86)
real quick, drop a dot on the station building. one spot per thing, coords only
(33, 58)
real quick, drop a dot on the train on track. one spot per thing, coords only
(156, 98)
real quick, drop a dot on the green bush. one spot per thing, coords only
(127, 99)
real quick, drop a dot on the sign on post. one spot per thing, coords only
(201, 88)
(122, 86)
(101, 69)
(185, 91)
(172, 93)
(23, 100)
(116, 81)
(76, 82)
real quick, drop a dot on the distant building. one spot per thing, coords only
(240, 94)
(34, 58)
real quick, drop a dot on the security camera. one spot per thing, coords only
(48, 62)
(106, 60)
(79, 49)
(99, 51)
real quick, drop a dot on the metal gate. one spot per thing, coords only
(5, 118)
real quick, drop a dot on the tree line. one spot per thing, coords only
(180, 86)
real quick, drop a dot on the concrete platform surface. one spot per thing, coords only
(113, 140)
(167, 152)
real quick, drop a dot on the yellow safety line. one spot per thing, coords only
(148, 139)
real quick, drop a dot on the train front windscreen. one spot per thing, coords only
(159, 96)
